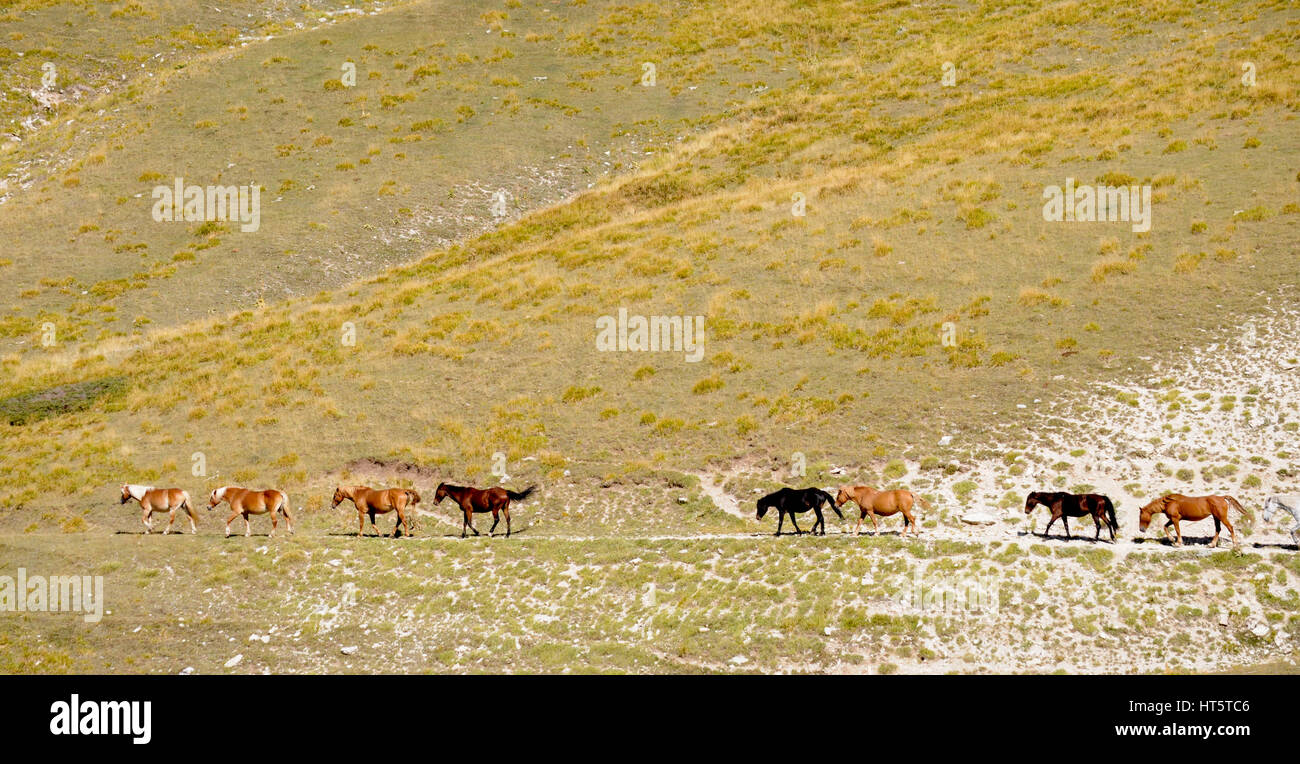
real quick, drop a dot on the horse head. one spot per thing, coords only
(440, 494)
(763, 505)
(218, 495)
(126, 494)
(339, 496)
(1033, 500)
(1270, 506)
(1152, 508)
(842, 496)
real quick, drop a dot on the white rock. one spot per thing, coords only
(1260, 630)
(187, 671)
(739, 660)
(234, 661)
(945, 440)
(978, 518)
(349, 650)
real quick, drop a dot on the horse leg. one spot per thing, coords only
(469, 518)
(875, 525)
(1214, 542)
(909, 520)
(401, 520)
(273, 522)
(171, 518)
(496, 518)
(821, 520)
(288, 517)
(233, 514)
(1295, 539)
(1179, 531)
(1065, 520)
(857, 529)
(1096, 519)
(194, 529)
(1049, 524)
(361, 523)
(795, 523)
(780, 519)
(1231, 530)
(507, 521)
(248, 527)
(146, 517)
(374, 527)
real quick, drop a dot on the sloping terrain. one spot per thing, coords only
(882, 296)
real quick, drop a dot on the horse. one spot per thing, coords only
(1176, 507)
(1290, 503)
(495, 500)
(158, 499)
(884, 503)
(370, 501)
(244, 501)
(794, 500)
(1066, 505)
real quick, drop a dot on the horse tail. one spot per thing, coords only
(831, 501)
(413, 497)
(921, 500)
(521, 495)
(1240, 508)
(1110, 512)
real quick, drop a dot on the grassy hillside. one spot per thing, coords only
(824, 331)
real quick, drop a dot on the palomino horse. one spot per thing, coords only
(884, 503)
(1066, 505)
(495, 500)
(1290, 503)
(369, 501)
(248, 502)
(794, 500)
(158, 499)
(1177, 507)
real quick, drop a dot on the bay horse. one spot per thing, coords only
(495, 500)
(794, 500)
(370, 501)
(244, 501)
(1289, 503)
(1177, 507)
(884, 503)
(157, 500)
(1064, 505)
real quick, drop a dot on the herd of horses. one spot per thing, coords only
(872, 503)
(368, 501)
(1175, 507)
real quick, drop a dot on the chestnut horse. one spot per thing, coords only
(248, 502)
(794, 500)
(1177, 507)
(1066, 505)
(884, 503)
(157, 500)
(370, 501)
(495, 500)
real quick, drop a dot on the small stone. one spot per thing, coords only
(349, 650)
(978, 518)
(739, 660)
(234, 661)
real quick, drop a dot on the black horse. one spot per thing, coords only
(795, 500)
(1066, 505)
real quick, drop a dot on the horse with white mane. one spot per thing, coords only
(1290, 503)
(159, 500)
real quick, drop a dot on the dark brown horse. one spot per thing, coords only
(794, 500)
(1066, 505)
(1177, 507)
(495, 500)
